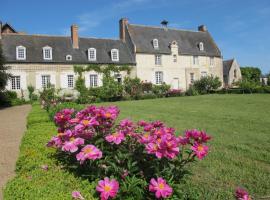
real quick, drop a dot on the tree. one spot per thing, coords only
(251, 74)
(4, 76)
(207, 84)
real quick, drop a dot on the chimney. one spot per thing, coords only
(122, 28)
(74, 36)
(202, 28)
(0, 30)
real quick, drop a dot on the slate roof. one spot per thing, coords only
(188, 41)
(227, 64)
(62, 46)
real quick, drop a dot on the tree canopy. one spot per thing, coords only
(4, 76)
(251, 74)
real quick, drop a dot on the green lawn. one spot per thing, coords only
(240, 149)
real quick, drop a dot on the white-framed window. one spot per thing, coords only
(195, 60)
(203, 74)
(155, 43)
(115, 54)
(211, 61)
(92, 54)
(158, 60)
(69, 57)
(201, 46)
(192, 78)
(47, 53)
(174, 58)
(45, 81)
(70, 81)
(20, 53)
(159, 77)
(15, 82)
(93, 80)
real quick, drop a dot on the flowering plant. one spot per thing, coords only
(134, 160)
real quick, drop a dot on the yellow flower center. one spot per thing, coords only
(115, 134)
(159, 140)
(161, 186)
(85, 122)
(107, 188)
(108, 115)
(60, 134)
(61, 116)
(72, 139)
(146, 135)
(87, 150)
(200, 148)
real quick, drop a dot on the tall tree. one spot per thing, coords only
(251, 74)
(4, 76)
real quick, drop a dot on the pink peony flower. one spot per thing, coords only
(242, 194)
(72, 144)
(160, 188)
(77, 195)
(89, 152)
(115, 138)
(107, 188)
(55, 142)
(200, 150)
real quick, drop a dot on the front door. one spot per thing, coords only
(175, 83)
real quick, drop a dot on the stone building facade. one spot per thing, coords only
(231, 73)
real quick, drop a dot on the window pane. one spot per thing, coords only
(15, 82)
(45, 81)
(70, 79)
(191, 77)
(159, 77)
(158, 59)
(93, 80)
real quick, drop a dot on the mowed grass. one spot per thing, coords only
(240, 149)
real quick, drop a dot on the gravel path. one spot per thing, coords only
(12, 128)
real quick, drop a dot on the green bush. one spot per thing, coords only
(133, 87)
(31, 90)
(148, 96)
(161, 90)
(206, 84)
(247, 86)
(192, 91)
(266, 89)
(111, 90)
(48, 97)
(147, 87)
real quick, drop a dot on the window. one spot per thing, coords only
(68, 57)
(92, 54)
(201, 46)
(174, 58)
(203, 74)
(118, 77)
(15, 82)
(235, 73)
(195, 60)
(45, 81)
(70, 81)
(158, 59)
(20, 53)
(93, 80)
(211, 61)
(115, 54)
(155, 43)
(47, 53)
(191, 77)
(159, 77)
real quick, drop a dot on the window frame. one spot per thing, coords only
(174, 58)
(195, 58)
(201, 46)
(192, 78)
(68, 57)
(117, 55)
(94, 51)
(204, 74)
(47, 48)
(15, 82)
(17, 52)
(47, 80)
(158, 61)
(155, 43)
(93, 82)
(159, 76)
(70, 81)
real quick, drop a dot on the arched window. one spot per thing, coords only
(92, 54)
(47, 53)
(201, 46)
(20, 53)
(68, 57)
(155, 43)
(115, 54)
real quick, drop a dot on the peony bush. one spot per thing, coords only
(127, 160)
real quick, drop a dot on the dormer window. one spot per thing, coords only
(92, 54)
(201, 46)
(47, 53)
(115, 54)
(20, 53)
(155, 43)
(69, 57)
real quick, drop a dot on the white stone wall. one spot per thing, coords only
(234, 74)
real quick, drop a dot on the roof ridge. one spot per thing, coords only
(176, 29)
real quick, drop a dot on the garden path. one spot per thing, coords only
(12, 128)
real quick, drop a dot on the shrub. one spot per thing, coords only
(149, 96)
(192, 91)
(207, 84)
(174, 93)
(147, 87)
(48, 98)
(111, 89)
(161, 90)
(133, 87)
(31, 90)
(143, 160)
(266, 89)
(247, 86)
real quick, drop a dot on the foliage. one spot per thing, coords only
(207, 84)
(4, 76)
(111, 90)
(161, 90)
(132, 154)
(133, 87)
(251, 74)
(174, 93)
(192, 91)
(147, 87)
(149, 96)
(31, 90)
(48, 98)
(247, 86)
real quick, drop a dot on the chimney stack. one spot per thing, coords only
(202, 28)
(122, 28)
(0, 30)
(74, 36)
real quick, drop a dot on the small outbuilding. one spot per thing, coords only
(231, 72)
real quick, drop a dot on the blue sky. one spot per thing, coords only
(241, 28)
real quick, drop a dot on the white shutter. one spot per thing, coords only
(63, 81)
(23, 81)
(87, 79)
(100, 83)
(38, 81)
(53, 81)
